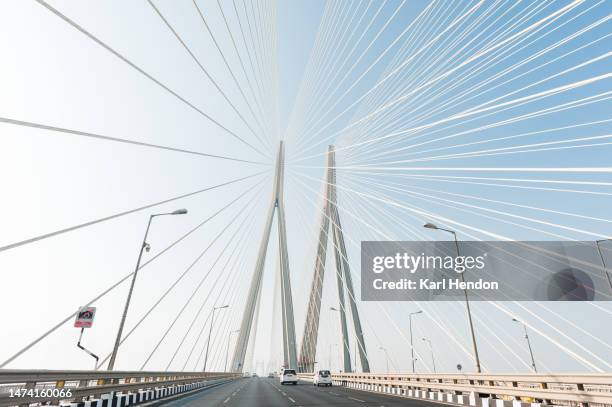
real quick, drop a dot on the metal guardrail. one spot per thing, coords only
(86, 383)
(552, 389)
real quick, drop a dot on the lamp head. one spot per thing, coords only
(430, 226)
(179, 212)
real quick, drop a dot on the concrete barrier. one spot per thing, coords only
(488, 390)
(103, 388)
(123, 400)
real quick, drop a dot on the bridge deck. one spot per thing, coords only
(269, 393)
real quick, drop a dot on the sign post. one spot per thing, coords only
(84, 319)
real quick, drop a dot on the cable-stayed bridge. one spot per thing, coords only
(291, 133)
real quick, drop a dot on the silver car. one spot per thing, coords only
(322, 378)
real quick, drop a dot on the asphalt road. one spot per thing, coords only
(263, 392)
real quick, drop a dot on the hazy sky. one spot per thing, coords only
(308, 89)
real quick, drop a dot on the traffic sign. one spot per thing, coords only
(85, 317)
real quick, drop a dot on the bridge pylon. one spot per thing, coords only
(344, 281)
(289, 342)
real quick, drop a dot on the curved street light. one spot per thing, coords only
(467, 301)
(144, 246)
(212, 321)
(533, 364)
(411, 344)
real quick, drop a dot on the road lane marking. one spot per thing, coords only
(292, 400)
(335, 394)
(361, 401)
(233, 394)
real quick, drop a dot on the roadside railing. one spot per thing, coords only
(25, 387)
(487, 390)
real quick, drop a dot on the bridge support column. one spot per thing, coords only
(345, 271)
(289, 342)
(344, 280)
(340, 278)
(311, 327)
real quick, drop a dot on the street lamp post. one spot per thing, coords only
(343, 344)
(533, 364)
(143, 247)
(467, 301)
(433, 361)
(386, 355)
(212, 321)
(411, 344)
(229, 339)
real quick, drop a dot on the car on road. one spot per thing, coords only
(288, 376)
(270, 375)
(322, 378)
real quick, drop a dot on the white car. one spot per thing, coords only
(322, 378)
(288, 376)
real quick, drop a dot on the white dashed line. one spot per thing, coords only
(361, 401)
(226, 400)
(292, 400)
